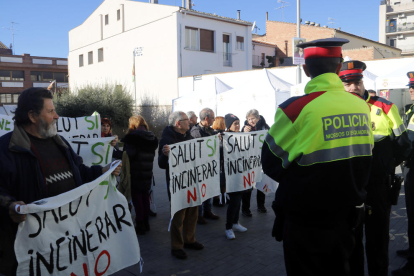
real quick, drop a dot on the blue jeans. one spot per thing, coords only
(206, 206)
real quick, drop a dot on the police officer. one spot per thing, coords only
(408, 269)
(392, 146)
(319, 150)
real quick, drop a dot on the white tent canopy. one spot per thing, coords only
(395, 80)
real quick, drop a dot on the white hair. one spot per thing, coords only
(253, 112)
(190, 114)
(175, 117)
(206, 112)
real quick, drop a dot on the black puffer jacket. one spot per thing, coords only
(261, 125)
(140, 146)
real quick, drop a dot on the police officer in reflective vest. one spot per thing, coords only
(391, 147)
(319, 150)
(408, 269)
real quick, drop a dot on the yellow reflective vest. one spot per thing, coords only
(325, 125)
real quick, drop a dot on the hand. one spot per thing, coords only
(166, 150)
(220, 137)
(115, 141)
(115, 172)
(16, 217)
(247, 128)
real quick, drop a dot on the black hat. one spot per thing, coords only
(352, 70)
(229, 120)
(411, 76)
(323, 48)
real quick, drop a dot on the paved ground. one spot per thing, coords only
(254, 252)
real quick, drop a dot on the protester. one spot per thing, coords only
(184, 222)
(219, 126)
(193, 118)
(106, 131)
(35, 163)
(321, 175)
(254, 122)
(203, 129)
(391, 147)
(233, 210)
(140, 144)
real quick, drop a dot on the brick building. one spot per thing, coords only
(18, 73)
(281, 33)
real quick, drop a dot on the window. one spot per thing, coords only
(263, 59)
(206, 40)
(191, 38)
(16, 98)
(100, 55)
(106, 19)
(18, 75)
(226, 50)
(80, 60)
(240, 43)
(118, 15)
(5, 75)
(6, 98)
(49, 76)
(90, 57)
(392, 42)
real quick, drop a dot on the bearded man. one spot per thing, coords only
(35, 163)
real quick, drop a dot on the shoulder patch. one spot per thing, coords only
(294, 105)
(381, 103)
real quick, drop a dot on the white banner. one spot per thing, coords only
(85, 231)
(94, 151)
(194, 172)
(242, 159)
(80, 127)
(6, 124)
(267, 185)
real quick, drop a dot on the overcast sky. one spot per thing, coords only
(42, 26)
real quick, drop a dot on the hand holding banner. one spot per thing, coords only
(194, 172)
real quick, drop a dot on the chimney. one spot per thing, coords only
(307, 22)
(189, 4)
(267, 16)
(238, 14)
(154, 1)
(312, 24)
(325, 26)
(317, 25)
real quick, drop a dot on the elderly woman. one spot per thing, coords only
(254, 122)
(140, 145)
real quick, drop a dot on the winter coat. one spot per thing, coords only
(169, 137)
(117, 153)
(22, 179)
(260, 125)
(199, 131)
(140, 146)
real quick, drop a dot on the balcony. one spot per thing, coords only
(399, 7)
(406, 49)
(227, 59)
(400, 28)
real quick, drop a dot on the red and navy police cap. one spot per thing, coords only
(323, 48)
(411, 76)
(352, 70)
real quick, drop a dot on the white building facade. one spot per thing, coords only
(396, 25)
(172, 42)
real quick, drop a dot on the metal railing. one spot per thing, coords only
(227, 59)
(400, 28)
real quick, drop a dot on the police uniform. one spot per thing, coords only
(390, 149)
(319, 150)
(409, 190)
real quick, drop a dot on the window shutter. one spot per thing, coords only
(240, 39)
(206, 40)
(226, 38)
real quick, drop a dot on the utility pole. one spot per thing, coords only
(298, 73)
(12, 29)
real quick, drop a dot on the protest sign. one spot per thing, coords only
(194, 172)
(85, 231)
(242, 159)
(267, 185)
(80, 127)
(94, 151)
(6, 124)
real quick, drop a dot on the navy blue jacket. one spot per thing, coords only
(21, 179)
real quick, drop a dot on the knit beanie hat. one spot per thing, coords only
(229, 119)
